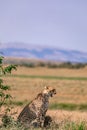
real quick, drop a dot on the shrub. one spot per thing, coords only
(4, 95)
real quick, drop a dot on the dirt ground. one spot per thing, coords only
(57, 115)
(62, 116)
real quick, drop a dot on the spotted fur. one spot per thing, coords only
(34, 112)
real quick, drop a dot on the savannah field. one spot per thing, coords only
(70, 102)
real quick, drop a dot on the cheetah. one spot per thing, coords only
(34, 112)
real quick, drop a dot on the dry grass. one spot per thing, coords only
(44, 71)
(58, 116)
(62, 115)
(68, 91)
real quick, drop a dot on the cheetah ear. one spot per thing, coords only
(46, 87)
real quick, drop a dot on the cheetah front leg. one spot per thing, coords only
(40, 119)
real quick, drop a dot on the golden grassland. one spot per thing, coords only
(44, 71)
(68, 91)
(25, 89)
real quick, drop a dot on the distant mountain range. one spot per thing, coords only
(42, 52)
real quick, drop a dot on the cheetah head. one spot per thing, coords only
(49, 91)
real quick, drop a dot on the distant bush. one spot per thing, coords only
(66, 65)
(49, 64)
(41, 64)
(31, 65)
(79, 65)
(52, 65)
(72, 65)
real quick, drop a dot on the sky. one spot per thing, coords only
(57, 23)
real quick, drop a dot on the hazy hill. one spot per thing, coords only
(43, 53)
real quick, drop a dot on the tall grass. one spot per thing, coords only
(75, 126)
(67, 125)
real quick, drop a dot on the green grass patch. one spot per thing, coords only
(48, 77)
(54, 106)
(75, 126)
(68, 106)
(16, 103)
(19, 103)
